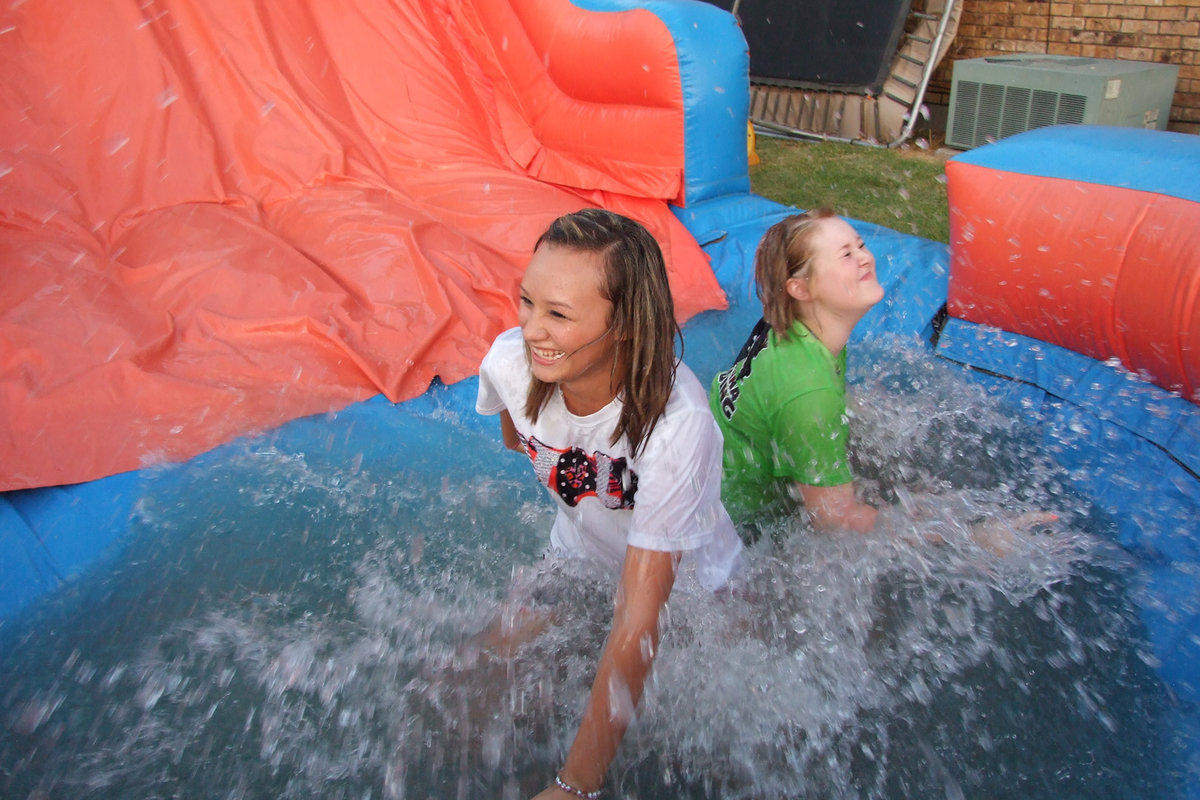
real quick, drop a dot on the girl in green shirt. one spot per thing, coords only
(782, 405)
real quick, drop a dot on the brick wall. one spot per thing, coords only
(1162, 31)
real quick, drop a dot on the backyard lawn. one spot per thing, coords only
(903, 188)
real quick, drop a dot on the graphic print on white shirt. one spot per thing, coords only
(573, 475)
(677, 476)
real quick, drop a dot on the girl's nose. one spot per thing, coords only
(530, 326)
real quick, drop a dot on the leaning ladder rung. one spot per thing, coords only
(893, 98)
(920, 39)
(904, 81)
(923, 15)
(911, 59)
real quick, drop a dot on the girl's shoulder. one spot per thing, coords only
(504, 370)
(686, 436)
(688, 407)
(509, 340)
(800, 350)
(687, 392)
(507, 348)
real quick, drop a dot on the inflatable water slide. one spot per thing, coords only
(297, 226)
(219, 217)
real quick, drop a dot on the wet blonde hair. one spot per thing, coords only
(785, 252)
(643, 316)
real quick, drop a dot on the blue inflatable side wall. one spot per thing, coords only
(1131, 446)
(48, 536)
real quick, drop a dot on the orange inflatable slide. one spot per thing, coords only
(218, 215)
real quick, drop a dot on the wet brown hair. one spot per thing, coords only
(785, 252)
(643, 316)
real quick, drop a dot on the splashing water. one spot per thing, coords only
(285, 625)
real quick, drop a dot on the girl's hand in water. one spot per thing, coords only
(999, 535)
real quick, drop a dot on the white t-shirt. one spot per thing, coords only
(668, 498)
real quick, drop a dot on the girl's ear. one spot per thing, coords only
(797, 287)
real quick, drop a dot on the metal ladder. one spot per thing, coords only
(886, 119)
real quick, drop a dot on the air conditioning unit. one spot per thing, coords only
(997, 96)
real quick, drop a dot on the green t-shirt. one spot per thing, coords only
(782, 410)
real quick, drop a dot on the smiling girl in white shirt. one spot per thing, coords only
(620, 433)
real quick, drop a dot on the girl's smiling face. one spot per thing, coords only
(842, 277)
(565, 321)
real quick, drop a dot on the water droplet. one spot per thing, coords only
(114, 143)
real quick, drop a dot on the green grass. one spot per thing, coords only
(903, 189)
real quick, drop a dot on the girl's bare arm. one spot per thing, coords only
(646, 581)
(836, 508)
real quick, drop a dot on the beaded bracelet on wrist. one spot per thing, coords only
(566, 787)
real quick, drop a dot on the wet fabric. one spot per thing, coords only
(219, 215)
(1085, 237)
(782, 410)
